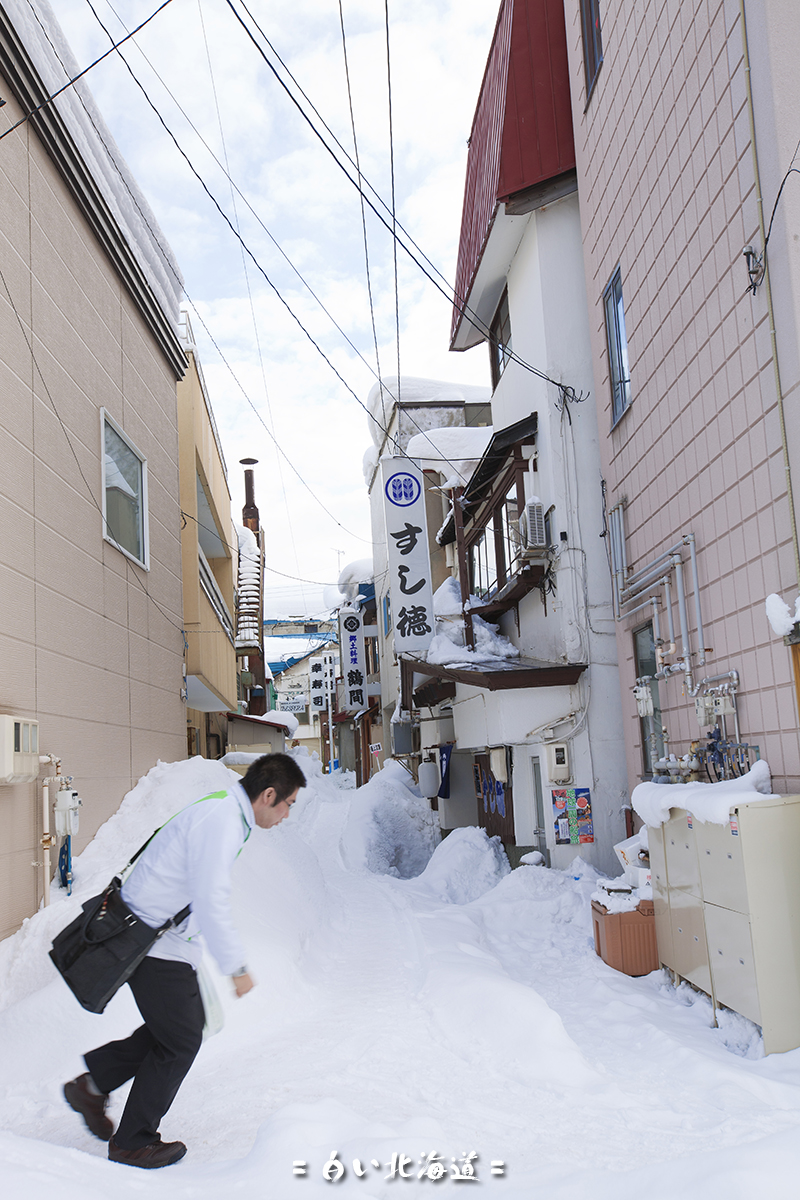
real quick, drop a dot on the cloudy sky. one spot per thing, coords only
(219, 98)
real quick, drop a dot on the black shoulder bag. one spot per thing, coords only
(100, 949)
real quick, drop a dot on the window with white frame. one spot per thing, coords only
(124, 493)
(618, 367)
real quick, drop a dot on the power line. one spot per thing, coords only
(363, 213)
(394, 199)
(289, 521)
(449, 294)
(318, 582)
(80, 74)
(273, 286)
(168, 262)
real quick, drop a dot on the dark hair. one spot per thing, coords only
(278, 771)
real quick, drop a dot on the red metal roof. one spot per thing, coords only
(522, 129)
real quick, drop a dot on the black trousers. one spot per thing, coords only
(158, 1055)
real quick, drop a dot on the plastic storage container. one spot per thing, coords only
(627, 940)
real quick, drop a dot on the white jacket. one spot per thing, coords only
(189, 861)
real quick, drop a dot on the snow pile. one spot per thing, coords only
(413, 390)
(465, 865)
(390, 829)
(617, 898)
(780, 615)
(369, 463)
(354, 575)
(24, 965)
(447, 598)
(398, 1017)
(248, 624)
(288, 720)
(455, 451)
(490, 645)
(447, 647)
(708, 802)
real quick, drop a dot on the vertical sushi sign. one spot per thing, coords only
(409, 556)
(572, 816)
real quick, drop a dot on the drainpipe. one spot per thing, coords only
(689, 540)
(48, 838)
(770, 309)
(668, 605)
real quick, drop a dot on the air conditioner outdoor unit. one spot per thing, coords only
(532, 528)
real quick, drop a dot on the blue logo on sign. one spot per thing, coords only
(402, 489)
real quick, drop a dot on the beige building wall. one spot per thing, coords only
(90, 643)
(211, 663)
(667, 192)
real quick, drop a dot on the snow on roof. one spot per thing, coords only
(415, 390)
(708, 802)
(353, 575)
(455, 450)
(369, 463)
(43, 39)
(288, 720)
(490, 645)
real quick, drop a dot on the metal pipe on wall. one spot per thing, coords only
(635, 578)
(689, 539)
(46, 843)
(616, 560)
(631, 591)
(684, 622)
(668, 605)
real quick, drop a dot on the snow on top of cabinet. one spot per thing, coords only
(708, 802)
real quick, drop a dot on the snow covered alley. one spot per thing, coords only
(410, 1004)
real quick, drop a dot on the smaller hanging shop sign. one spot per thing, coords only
(572, 816)
(354, 661)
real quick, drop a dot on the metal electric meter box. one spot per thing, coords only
(727, 910)
(19, 749)
(559, 769)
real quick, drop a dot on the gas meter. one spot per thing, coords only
(66, 812)
(644, 699)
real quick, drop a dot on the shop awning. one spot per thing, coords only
(499, 674)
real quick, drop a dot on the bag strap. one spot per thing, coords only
(178, 919)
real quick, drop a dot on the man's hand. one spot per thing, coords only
(243, 984)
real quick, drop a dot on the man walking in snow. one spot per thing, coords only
(189, 861)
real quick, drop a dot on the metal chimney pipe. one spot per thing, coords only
(250, 515)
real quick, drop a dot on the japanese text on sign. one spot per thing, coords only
(354, 662)
(409, 555)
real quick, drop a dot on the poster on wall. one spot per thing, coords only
(572, 816)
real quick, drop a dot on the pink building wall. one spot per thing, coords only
(667, 192)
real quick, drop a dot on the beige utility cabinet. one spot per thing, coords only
(727, 910)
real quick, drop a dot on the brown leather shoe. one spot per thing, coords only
(157, 1154)
(91, 1107)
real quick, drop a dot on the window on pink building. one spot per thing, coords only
(618, 368)
(592, 43)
